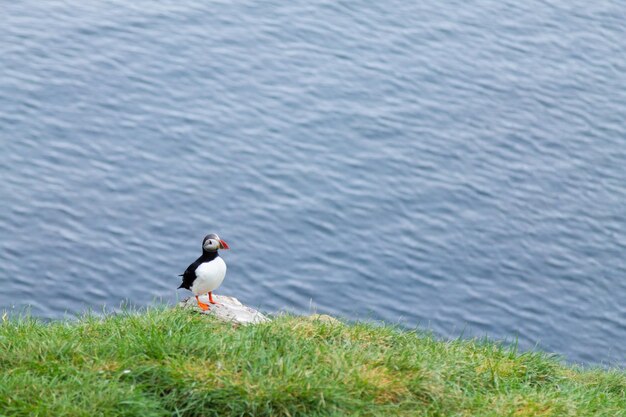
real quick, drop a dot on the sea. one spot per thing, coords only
(457, 167)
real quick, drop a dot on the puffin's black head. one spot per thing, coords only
(212, 243)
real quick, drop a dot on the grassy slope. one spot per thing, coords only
(170, 362)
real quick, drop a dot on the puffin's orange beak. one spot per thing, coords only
(223, 245)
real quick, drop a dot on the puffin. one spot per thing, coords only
(207, 272)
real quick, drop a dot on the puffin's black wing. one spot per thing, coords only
(190, 274)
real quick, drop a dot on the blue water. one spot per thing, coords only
(461, 166)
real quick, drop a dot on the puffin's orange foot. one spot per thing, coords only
(212, 301)
(203, 306)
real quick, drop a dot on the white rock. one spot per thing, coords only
(227, 309)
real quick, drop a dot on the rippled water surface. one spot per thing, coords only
(461, 166)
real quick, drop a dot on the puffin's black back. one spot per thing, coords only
(190, 273)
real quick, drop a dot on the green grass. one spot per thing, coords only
(177, 363)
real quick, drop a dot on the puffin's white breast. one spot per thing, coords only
(209, 276)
